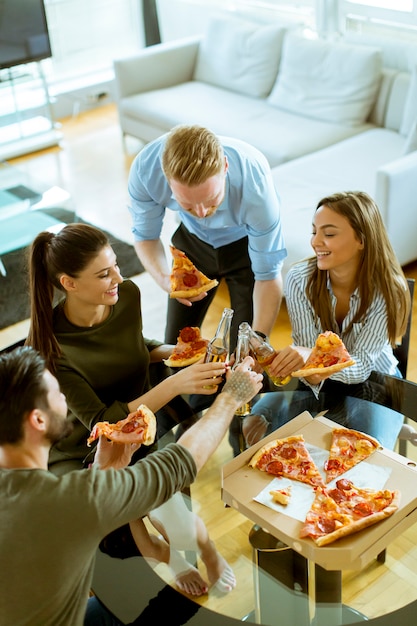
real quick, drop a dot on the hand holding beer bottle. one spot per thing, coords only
(218, 348)
(264, 354)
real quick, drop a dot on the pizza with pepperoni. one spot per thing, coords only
(190, 347)
(288, 457)
(328, 356)
(348, 448)
(138, 427)
(346, 509)
(186, 280)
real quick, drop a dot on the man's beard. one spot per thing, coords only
(59, 427)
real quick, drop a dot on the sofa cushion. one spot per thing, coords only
(347, 166)
(240, 56)
(280, 135)
(330, 81)
(410, 107)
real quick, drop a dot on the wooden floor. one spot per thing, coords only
(92, 165)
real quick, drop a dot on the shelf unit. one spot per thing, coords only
(26, 119)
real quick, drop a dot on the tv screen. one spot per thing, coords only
(24, 33)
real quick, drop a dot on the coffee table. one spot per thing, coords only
(274, 585)
(21, 204)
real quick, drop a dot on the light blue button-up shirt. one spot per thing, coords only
(250, 207)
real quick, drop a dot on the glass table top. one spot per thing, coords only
(20, 193)
(275, 584)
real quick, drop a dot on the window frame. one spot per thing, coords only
(391, 17)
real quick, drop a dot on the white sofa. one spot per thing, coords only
(329, 116)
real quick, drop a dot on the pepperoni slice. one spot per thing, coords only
(188, 334)
(338, 495)
(275, 467)
(189, 279)
(332, 464)
(326, 525)
(130, 426)
(363, 509)
(288, 452)
(344, 484)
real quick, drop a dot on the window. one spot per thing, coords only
(86, 35)
(385, 12)
(398, 5)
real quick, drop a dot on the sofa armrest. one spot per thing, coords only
(156, 67)
(396, 196)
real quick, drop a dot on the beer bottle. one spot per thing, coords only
(242, 351)
(264, 354)
(218, 348)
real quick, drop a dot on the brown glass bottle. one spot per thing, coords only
(218, 348)
(264, 353)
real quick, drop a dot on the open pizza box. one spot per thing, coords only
(241, 484)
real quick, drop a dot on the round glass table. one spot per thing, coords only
(277, 584)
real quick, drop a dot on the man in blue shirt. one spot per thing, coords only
(230, 224)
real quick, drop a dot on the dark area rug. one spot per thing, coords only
(14, 299)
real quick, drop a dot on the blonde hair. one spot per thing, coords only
(191, 155)
(379, 270)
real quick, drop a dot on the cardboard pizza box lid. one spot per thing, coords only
(241, 483)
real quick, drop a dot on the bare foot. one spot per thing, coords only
(191, 582)
(219, 572)
(187, 577)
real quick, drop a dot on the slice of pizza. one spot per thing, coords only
(347, 449)
(190, 347)
(138, 427)
(329, 355)
(288, 457)
(281, 496)
(345, 510)
(186, 280)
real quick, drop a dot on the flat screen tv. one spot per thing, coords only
(24, 33)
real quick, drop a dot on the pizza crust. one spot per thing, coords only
(193, 292)
(360, 524)
(331, 369)
(184, 362)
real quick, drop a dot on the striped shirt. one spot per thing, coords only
(367, 342)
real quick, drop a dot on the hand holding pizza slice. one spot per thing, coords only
(186, 280)
(328, 356)
(190, 347)
(139, 427)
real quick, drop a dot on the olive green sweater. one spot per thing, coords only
(50, 528)
(102, 369)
